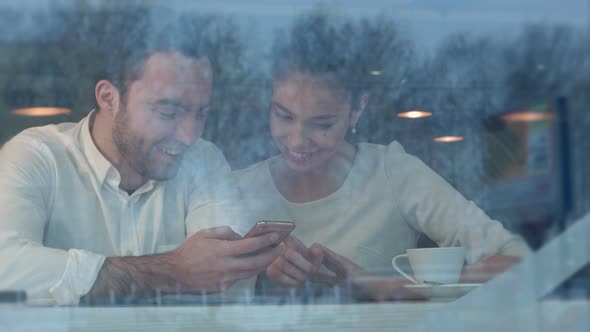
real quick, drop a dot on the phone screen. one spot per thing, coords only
(283, 228)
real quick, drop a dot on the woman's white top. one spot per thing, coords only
(388, 199)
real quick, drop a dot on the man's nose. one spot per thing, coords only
(189, 130)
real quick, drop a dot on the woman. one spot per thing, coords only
(355, 206)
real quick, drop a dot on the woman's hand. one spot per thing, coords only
(366, 284)
(296, 264)
(343, 267)
(487, 269)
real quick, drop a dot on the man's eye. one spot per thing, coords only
(167, 116)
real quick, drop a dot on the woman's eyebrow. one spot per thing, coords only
(319, 117)
(283, 108)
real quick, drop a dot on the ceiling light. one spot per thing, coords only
(527, 116)
(415, 114)
(448, 139)
(39, 89)
(41, 111)
(375, 72)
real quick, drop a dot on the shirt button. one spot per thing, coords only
(129, 253)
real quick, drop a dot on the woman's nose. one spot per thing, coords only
(298, 136)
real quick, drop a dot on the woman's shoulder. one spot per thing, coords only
(381, 151)
(394, 146)
(392, 157)
(256, 173)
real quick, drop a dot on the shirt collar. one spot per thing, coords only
(97, 162)
(102, 167)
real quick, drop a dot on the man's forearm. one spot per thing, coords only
(122, 277)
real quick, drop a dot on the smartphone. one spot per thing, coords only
(283, 228)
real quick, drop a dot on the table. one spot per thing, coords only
(547, 316)
(351, 317)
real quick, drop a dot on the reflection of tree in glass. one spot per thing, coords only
(543, 62)
(477, 77)
(460, 83)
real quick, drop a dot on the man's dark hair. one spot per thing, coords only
(127, 39)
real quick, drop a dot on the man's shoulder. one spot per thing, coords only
(50, 138)
(48, 131)
(203, 159)
(203, 151)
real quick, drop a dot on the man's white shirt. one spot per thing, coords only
(62, 211)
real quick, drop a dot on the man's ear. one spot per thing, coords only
(107, 96)
(358, 111)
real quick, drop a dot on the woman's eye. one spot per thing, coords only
(323, 125)
(283, 116)
(167, 115)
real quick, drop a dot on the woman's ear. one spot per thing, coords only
(107, 96)
(356, 113)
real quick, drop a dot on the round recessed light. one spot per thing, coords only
(375, 72)
(416, 114)
(449, 139)
(527, 116)
(41, 111)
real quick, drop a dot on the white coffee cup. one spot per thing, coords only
(433, 265)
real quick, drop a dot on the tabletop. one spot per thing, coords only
(549, 315)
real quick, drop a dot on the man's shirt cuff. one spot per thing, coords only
(82, 268)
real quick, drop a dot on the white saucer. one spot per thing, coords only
(449, 291)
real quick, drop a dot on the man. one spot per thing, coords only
(129, 200)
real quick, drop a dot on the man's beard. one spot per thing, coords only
(135, 153)
(128, 146)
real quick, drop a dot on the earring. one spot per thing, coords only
(353, 130)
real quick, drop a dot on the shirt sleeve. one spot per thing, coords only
(48, 275)
(214, 199)
(432, 206)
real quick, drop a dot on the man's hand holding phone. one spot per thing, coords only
(214, 258)
(210, 260)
